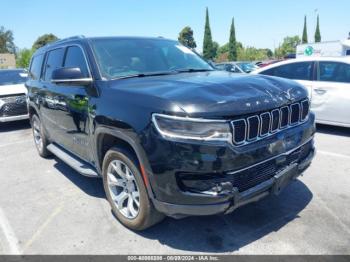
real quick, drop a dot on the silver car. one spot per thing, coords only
(13, 103)
(327, 80)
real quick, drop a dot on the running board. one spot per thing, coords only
(71, 160)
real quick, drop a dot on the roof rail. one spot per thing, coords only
(69, 38)
(62, 41)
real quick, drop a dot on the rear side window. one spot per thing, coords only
(334, 72)
(75, 58)
(298, 71)
(54, 61)
(35, 67)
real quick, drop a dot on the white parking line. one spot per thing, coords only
(333, 154)
(9, 235)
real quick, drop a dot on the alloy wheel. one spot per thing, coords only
(123, 189)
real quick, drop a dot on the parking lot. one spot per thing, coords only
(47, 208)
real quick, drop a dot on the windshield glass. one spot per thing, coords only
(122, 57)
(12, 77)
(247, 67)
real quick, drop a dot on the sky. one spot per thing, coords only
(259, 23)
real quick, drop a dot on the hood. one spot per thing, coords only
(12, 89)
(216, 93)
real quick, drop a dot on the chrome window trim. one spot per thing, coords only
(245, 133)
(261, 122)
(255, 138)
(65, 47)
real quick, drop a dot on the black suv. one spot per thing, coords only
(167, 133)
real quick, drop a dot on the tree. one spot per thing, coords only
(186, 37)
(23, 57)
(6, 41)
(207, 41)
(304, 39)
(318, 32)
(216, 47)
(232, 55)
(288, 46)
(43, 40)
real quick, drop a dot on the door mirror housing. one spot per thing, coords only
(70, 76)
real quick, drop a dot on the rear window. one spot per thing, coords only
(298, 71)
(334, 72)
(12, 77)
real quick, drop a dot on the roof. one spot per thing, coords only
(82, 38)
(344, 59)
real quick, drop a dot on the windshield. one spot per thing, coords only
(12, 77)
(247, 67)
(123, 57)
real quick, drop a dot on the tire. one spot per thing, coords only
(40, 139)
(114, 170)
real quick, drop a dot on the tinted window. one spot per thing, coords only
(12, 77)
(334, 72)
(348, 52)
(54, 61)
(35, 67)
(75, 58)
(126, 57)
(299, 71)
(220, 67)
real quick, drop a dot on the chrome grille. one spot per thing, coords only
(255, 127)
(13, 105)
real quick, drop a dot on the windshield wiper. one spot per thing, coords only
(193, 70)
(146, 74)
(176, 71)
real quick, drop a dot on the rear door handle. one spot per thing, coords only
(320, 91)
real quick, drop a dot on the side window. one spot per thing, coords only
(334, 72)
(298, 71)
(54, 60)
(35, 67)
(348, 52)
(75, 58)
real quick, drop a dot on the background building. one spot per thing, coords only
(7, 61)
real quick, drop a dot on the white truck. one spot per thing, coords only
(330, 49)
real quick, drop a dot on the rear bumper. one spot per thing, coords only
(14, 118)
(236, 199)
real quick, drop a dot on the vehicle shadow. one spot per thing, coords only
(89, 185)
(231, 232)
(13, 126)
(214, 233)
(333, 130)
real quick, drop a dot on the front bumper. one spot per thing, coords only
(14, 118)
(274, 185)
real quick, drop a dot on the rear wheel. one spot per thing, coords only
(126, 192)
(40, 139)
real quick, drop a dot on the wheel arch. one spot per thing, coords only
(107, 138)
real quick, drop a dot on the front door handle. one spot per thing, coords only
(320, 91)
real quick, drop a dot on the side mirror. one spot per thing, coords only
(69, 76)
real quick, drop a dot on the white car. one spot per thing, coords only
(327, 80)
(13, 102)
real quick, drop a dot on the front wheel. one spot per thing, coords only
(126, 192)
(40, 139)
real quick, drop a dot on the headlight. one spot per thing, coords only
(183, 128)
